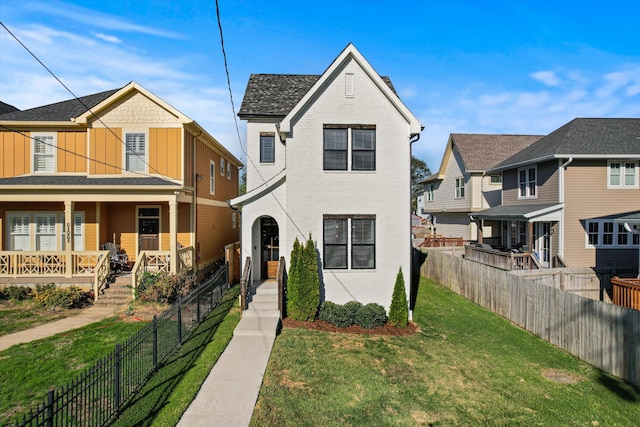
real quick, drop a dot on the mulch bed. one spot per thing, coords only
(321, 325)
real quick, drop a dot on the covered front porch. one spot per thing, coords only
(521, 237)
(72, 238)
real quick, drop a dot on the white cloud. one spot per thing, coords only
(107, 38)
(548, 78)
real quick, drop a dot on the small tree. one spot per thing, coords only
(303, 284)
(399, 311)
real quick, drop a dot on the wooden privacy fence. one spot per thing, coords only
(604, 335)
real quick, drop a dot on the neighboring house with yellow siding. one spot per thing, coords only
(121, 167)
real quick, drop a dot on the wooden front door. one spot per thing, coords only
(270, 248)
(148, 229)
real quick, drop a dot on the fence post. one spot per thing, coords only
(155, 341)
(117, 379)
(180, 320)
(50, 408)
(198, 308)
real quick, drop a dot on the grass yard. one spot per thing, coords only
(28, 371)
(21, 315)
(166, 396)
(467, 366)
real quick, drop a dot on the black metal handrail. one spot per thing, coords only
(96, 397)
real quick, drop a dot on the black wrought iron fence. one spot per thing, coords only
(96, 397)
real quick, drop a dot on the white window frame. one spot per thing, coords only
(144, 159)
(25, 230)
(221, 166)
(228, 170)
(495, 179)
(430, 193)
(600, 228)
(460, 191)
(212, 177)
(50, 154)
(50, 233)
(623, 173)
(530, 186)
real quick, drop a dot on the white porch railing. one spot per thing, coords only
(41, 265)
(160, 261)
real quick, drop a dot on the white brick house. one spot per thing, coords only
(330, 155)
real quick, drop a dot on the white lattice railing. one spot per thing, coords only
(160, 261)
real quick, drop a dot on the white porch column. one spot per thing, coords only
(173, 235)
(68, 238)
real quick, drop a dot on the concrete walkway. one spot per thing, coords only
(228, 395)
(90, 315)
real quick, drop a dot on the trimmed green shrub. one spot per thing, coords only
(17, 293)
(399, 310)
(303, 284)
(371, 316)
(336, 314)
(328, 311)
(66, 297)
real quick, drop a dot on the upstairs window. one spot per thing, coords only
(267, 148)
(228, 170)
(459, 188)
(212, 177)
(429, 193)
(622, 174)
(44, 150)
(496, 179)
(221, 166)
(349, 147)
(136, 151)
(527, 183)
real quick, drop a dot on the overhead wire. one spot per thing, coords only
(78, 99)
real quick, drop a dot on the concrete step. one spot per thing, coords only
(264, 299)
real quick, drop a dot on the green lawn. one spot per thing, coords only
(467, 366)
(28, 371)
(21, 315)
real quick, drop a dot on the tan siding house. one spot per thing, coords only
(462, 185)
(585, 177)
(119, 167)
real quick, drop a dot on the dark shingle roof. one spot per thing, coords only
(7, 108)
(60, 111)
(480, 152)
(277, 94)
(76, 180)
(592, 137)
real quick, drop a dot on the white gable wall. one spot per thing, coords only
(385, 192)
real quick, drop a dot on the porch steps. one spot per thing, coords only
(118, 293)
(262, 317)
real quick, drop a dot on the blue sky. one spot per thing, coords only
(460, 66)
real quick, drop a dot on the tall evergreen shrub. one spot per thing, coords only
(399, 310)
(303, 284)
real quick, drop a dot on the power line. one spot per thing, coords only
(35, 138)
(76, 97)
(233, 110)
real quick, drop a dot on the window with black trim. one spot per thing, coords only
(267, 148)
(349, 250)
(341, 140)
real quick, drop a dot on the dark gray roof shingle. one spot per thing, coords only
(7, 108)
(277, 94)
(76, 180)
(594, 137)
(60, 111)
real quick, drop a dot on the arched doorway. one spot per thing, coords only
(270, 247)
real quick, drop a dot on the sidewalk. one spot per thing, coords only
(228, 395)
(90, 315)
